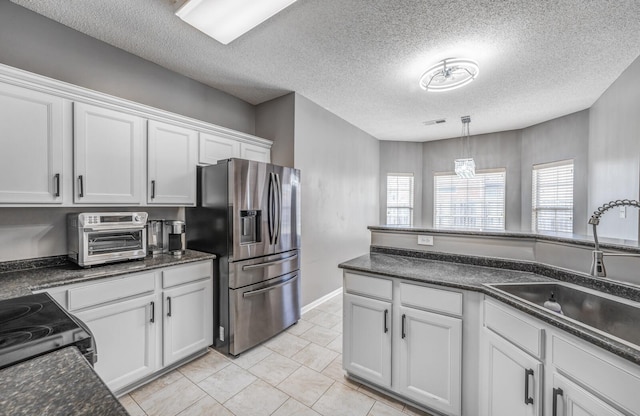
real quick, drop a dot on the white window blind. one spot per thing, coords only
(470, 204)
(400, 199)
(552, 197)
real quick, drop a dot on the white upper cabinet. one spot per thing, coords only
(217, 147)
(31, 160)
(171, 164)
(65, 145)
(108, 156)
(253, 152)
(214, 148)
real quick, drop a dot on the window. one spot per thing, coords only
(400, 199)
(552, 197)
(470, 204)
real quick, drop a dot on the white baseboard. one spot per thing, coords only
(307, 308)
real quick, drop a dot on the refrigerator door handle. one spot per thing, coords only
(268, 288)
(270, 211)
(278, 208)
(269, 263)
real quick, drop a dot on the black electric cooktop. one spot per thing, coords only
(36, 324)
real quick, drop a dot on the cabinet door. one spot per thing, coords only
(31, 143)
(431, 359)
(126, 338)
(253, 152)
(214, 148)
(367, 339)
(512, 383)
(569, 399)
(171, 164)
(108, 155)
(188, 320)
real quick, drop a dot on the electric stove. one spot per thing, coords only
(36, 324)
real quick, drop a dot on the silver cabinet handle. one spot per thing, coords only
(404, 320)
(386, 328)
(153, 312)
(81, 186)
(153, 189)
(556, 392)
(527, 399)
(270, 263)
(56, 178)
(168, 306)
(266, 289)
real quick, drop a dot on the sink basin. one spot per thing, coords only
(613, 316)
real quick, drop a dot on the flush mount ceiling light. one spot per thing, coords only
(226, 20)
(465, 168)
(449, 74)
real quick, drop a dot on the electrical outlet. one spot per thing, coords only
(425, 240)
(623, 212)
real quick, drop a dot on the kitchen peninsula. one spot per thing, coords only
(452, 340)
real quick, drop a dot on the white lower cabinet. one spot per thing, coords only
(126, 337)
(414, 352)
(431, 359)
(513, 382)
(144, 322)
(188, 320)
(367, 341)
(569, 399)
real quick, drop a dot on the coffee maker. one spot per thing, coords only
(174, 238)
(166, 237)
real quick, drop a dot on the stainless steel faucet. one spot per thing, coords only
(597, 262)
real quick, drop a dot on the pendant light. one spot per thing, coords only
(465, 168)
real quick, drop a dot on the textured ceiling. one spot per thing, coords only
(362, 59)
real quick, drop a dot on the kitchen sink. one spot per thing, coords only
(607, 313)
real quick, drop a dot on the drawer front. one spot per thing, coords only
(368, 286)
(436, 300)
(99, 293)
(510, 326)
(598, 373)
(188, 273)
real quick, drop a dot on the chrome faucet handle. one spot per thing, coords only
(597, 264)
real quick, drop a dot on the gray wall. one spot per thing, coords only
(275, 121)
(490, 151)
(40, 45)
(339, 170)
(517, 151)
(614, 152)
(559, 139)
(401, 157)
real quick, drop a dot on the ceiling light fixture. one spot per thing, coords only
(227, 20)
(465, 168)
(449, 74)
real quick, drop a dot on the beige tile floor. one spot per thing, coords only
(298, 372)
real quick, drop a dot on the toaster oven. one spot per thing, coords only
(104, 237)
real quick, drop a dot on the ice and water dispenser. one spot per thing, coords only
(250, 227)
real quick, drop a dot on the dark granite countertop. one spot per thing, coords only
(59, 383)
(460, 272)
(19, 278)
(566, 238)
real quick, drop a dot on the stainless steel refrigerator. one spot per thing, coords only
(248, 214)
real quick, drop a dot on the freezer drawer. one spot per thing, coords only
(260, 311)
(253, 271)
